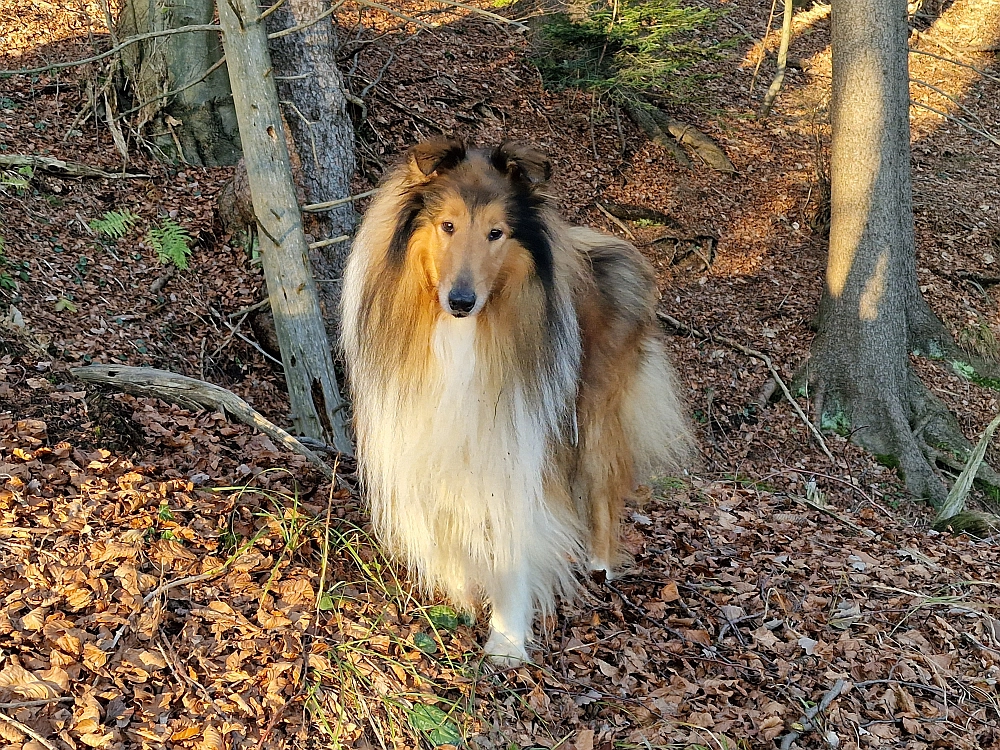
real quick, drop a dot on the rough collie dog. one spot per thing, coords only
(509, 383)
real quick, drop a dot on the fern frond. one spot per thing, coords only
(171, 242)
(114, 224)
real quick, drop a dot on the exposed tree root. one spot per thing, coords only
(970, 522)
(914, 433)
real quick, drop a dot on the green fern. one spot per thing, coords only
(114, 224)
(171, 242)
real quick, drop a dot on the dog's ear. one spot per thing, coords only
(522, 163)
(436, 155)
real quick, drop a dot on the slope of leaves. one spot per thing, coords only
(151, 603)
(743, 608)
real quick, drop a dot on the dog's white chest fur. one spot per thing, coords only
(457, 475)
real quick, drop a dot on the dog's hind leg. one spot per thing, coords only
(510, 622)
(603, 474)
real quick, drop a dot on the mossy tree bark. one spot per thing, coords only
(872, 314)
(207, 133)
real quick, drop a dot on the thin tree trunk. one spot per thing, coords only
(202, 119)
(311, 90)
(872, 314)
(312, 386)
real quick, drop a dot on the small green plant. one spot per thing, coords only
(980, 339)
(624, 47)
(114, 224)
(6, 280)
(18, 179)
(171, 242)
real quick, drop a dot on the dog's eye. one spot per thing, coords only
(495, 234)
(447, 227)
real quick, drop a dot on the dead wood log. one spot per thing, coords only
(640, 115)
(190, 393)
(688, 135)
(316, 402)
(61, 168)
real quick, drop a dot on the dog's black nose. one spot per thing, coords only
(461, 299)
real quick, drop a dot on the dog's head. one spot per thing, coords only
(473, 217)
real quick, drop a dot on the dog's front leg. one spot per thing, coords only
(510, 622)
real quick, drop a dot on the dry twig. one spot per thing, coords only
(763, 358)
(806, 722)
(959, 121)
(313, 207)
(28, 731)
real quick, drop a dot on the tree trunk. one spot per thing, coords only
(312, 386)
(311, 90)
(207, 133)
(872, 314)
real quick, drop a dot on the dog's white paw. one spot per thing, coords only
(504, 652)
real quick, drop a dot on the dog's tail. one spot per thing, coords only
(653, 415)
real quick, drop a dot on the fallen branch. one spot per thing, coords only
(945, 95)
(763, 358)
(114, 50)
(811, 502)
(959, 63)
(806, 722)
(688, 135)
(640, 115)
(331, 241)
(190, 393)
(61, 168)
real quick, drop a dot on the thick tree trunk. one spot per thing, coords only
(207, 133)
(872, 314)
(311, 90)
(312, 387)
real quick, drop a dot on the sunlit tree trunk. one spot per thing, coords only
(872, 314)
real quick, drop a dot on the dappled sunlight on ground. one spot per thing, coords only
(26, 26)
(967, 32)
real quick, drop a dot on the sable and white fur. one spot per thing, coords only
(508, 380)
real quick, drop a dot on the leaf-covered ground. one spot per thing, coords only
(173, 580)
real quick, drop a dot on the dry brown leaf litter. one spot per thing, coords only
(743, 608)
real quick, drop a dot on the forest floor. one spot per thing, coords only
(170, 579)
